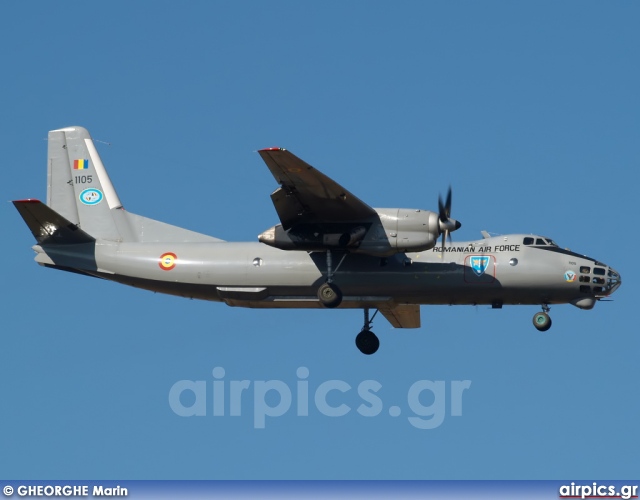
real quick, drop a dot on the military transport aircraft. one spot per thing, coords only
(330, 249)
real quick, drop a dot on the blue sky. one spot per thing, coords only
(530, 110)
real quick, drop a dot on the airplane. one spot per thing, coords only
(330, 249)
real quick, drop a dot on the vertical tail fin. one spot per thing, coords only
(81, 193)
(79, 188)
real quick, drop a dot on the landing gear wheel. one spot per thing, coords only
(367, 342)
(329, 295)
(542, 321)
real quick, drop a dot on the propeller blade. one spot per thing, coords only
(444, 209)
(447, 224)
(447, 205)
(441, 211)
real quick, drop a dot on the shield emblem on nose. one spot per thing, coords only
(479, 264)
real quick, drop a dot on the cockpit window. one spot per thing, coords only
(598, 270)
(542, 242)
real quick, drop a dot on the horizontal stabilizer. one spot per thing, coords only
(48, 226)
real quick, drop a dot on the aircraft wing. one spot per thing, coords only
(307, 196)
(403, 316)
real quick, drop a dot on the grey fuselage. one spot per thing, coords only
(496, 271)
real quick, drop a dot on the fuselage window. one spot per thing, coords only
(528, 241)
(599, 281)
(585, 279)
(585, 270)
(599, 271)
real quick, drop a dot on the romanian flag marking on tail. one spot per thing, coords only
(80, 164)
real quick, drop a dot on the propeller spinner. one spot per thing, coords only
(446, 224)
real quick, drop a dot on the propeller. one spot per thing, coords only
(446, 224)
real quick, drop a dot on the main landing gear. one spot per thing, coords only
(329, 294)
(542, 320)
(366, 340)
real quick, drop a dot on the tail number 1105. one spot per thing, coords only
(84, 179)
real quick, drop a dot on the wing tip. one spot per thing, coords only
(27, 200)
(271, 149)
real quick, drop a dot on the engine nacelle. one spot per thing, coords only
(395, 230)
(410, 230)
(313, 239)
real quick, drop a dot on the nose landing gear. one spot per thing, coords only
(542, 320)
(366, 340)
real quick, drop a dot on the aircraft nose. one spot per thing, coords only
(614, 280)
